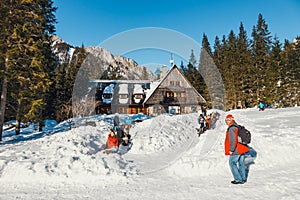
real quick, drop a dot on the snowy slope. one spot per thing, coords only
(167, 160)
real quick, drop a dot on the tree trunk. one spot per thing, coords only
(3, 105)
(41, 124)
(18, 122)
(18, 118)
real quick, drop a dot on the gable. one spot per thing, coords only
(174, 81)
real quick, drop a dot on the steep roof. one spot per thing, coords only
(152, 90)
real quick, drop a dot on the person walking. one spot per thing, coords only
(236, 151)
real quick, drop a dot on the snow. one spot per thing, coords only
(109, 89)
(153, 86)
(138, 89)
(167, 159)
(123, 89)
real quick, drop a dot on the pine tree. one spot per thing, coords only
(144, 74)
(206, 45)
(217, 54)
(193, 60)
(6, 31)
(291, 71)
(245, 70)
(29, 22)
(157, 73)
(260, 51)
(194, 77)
(274, 76)
(76, 84)
(61, 93)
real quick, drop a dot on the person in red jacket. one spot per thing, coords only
(236, 151)
(112, 143)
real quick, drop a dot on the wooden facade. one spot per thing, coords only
(173, 94)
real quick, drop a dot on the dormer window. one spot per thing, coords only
(107, 96)
(138, 96)
(123, 96)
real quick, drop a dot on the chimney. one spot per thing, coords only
(163, 71)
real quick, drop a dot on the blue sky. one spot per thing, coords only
(93, 21)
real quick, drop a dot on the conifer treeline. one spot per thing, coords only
(27, 62)
(34, 84)
(253, 69)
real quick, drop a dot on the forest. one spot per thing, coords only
(253, 70)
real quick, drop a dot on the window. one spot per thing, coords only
(138, 96)
(107, 96)
(169, 94)
(123, 96)
(122, 110)
(174, 83)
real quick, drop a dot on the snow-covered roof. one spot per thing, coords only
(109, 89)
(123, 89)
(150, 91)
(120, 81)
(137, 89)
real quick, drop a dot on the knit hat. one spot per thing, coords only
(229, 117)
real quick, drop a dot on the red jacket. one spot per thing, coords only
(112, 142)
(232, 144)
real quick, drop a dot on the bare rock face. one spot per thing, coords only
(102, 59)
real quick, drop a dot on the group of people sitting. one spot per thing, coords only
(117, 142)
(207, 122)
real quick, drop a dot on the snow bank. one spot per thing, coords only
(167, 159)
(65, 155)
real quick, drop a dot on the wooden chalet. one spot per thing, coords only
(172, 94)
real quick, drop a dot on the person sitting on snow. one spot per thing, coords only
(124, 142)
(112, 143)
(126, 139)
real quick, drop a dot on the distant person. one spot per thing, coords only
(201, 121)
(203, 110)
(120, 135)
(214, 118)
(261, 106)
(236, 151)
(207, 122)
(116, 122)
(112, 143)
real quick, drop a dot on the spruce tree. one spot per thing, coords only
(193, 60)
(28, 24)
(291, 72)
(6, 61)
(245, 70)
(206, 45)
(260, 51)
(274, 77)
(144, 74)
